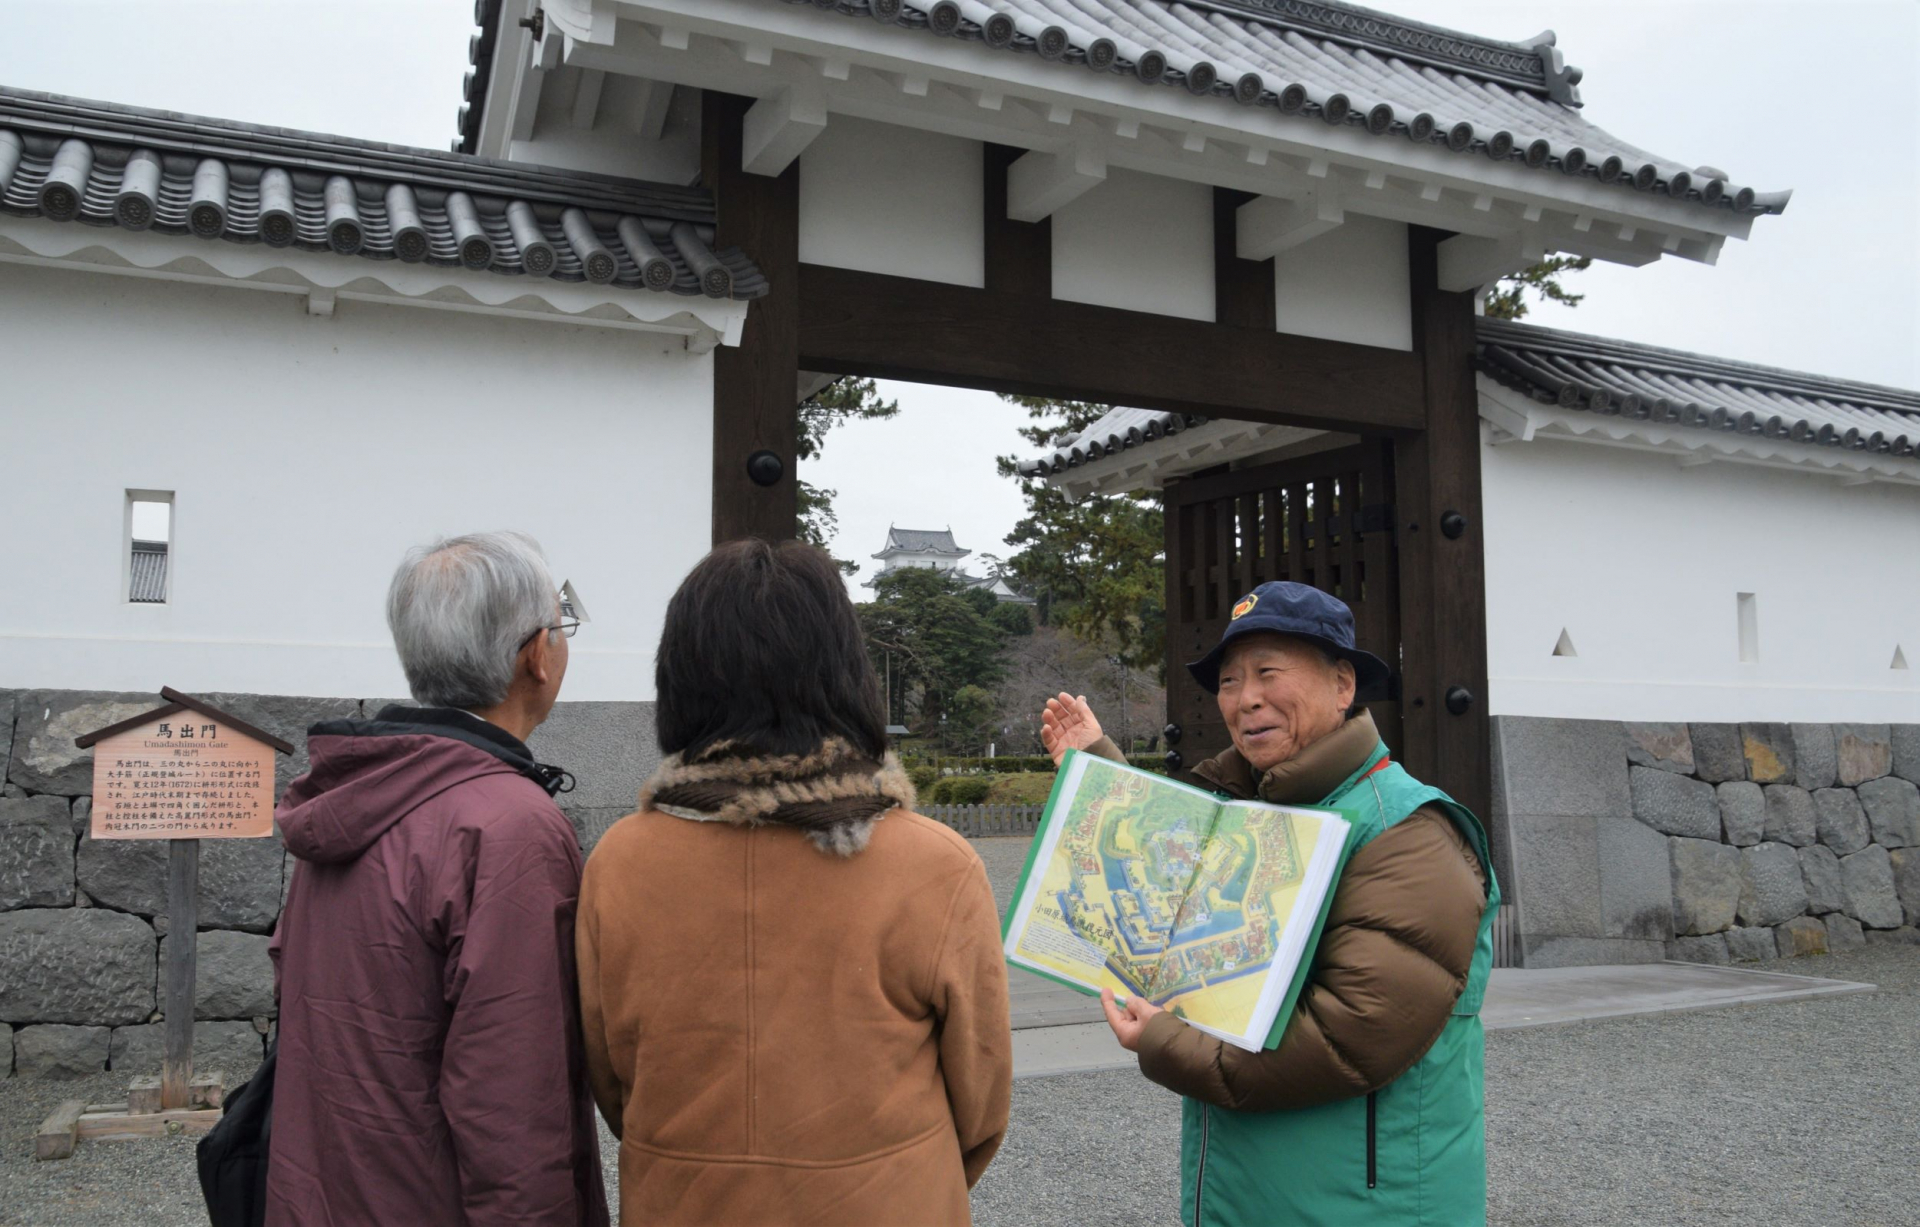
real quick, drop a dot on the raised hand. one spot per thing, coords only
(1068, 724)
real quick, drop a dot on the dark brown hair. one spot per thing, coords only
(762, 647)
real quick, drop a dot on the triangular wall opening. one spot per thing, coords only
(1899, 657)
(1565, 646)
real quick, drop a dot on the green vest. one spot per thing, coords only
(1413, 1152)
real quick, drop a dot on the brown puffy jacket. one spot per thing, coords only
(1392, 959)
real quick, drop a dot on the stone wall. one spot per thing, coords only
(1707, 842)
(83, 924)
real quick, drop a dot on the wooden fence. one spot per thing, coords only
(975, 821)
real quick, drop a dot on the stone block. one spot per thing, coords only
(1743, 812)
(1906, 880)
(45, 760)
(1557, 874)
(240, 883)
(1841, 820)
(1636, 880)
(1751, 945)
(1865, 752)
(82, 816)
(1905, 740)
(1768, 749)
(1866, 878)
(241, 880)
(1893, 811)
(610, 748)
(1791, 818)
(233, 1048)
(76, 965)
(591, 822)
(1905, 935)
(1820, 873)
(1801, 936)
(1717, 756)
(1665, 746)
(1771, 888)
(1707, 948)
(1675, 805)
(1539, 952)
(1843, 933)
(287, 717)
(127, 875)
(7, 704)
(1706, 885)
(1814, 757)
(36, 853)
(58, 1051)
(233, 977)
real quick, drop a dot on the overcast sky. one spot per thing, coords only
(1820, 98)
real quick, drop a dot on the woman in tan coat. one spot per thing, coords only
(791, 984)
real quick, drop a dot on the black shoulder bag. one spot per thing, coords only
(233, 1155)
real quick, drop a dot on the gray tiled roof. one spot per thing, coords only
(148, 582)
(1115, 431)
(103, 164)
(1616, 378)
(921, 541)
(1336, 63)
(1646, 383)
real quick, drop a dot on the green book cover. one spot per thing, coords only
(1206, 907)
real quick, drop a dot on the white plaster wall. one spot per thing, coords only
(306, 455)
(1139, 242)
(1639, 561)
(1349, 284)
(884, 199)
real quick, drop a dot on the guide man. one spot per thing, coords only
(1371, 1109)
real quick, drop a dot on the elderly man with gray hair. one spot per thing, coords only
(429, 1057)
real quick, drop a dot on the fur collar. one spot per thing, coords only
(835, 794)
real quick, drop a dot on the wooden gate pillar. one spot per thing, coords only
(1443, 575)
(755, 384)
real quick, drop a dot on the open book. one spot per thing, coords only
(1205, 907)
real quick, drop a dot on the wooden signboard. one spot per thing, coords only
(183, 776)
(183, 772)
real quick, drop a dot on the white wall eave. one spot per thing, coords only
(1512, 417)
(909, 77)
(326, 279)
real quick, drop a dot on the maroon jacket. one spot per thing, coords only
(430, 1068)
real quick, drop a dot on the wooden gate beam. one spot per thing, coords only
(855, 323)
(755, 382)
(1443, 578)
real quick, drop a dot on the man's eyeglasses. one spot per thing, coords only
(572, 614)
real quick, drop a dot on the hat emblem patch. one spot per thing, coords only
(1245, 606)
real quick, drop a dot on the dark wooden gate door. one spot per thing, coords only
(1325, 520)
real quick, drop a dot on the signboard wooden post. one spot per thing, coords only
(184, 772)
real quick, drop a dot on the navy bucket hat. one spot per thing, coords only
(1305, 613)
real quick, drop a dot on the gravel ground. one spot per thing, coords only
(1804, 1114)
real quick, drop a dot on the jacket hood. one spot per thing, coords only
(366, 775)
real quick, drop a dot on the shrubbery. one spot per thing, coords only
(960, 790)
(1008, 764)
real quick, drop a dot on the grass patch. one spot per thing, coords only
(1021, 788)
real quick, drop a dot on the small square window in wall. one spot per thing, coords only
(149, 546)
